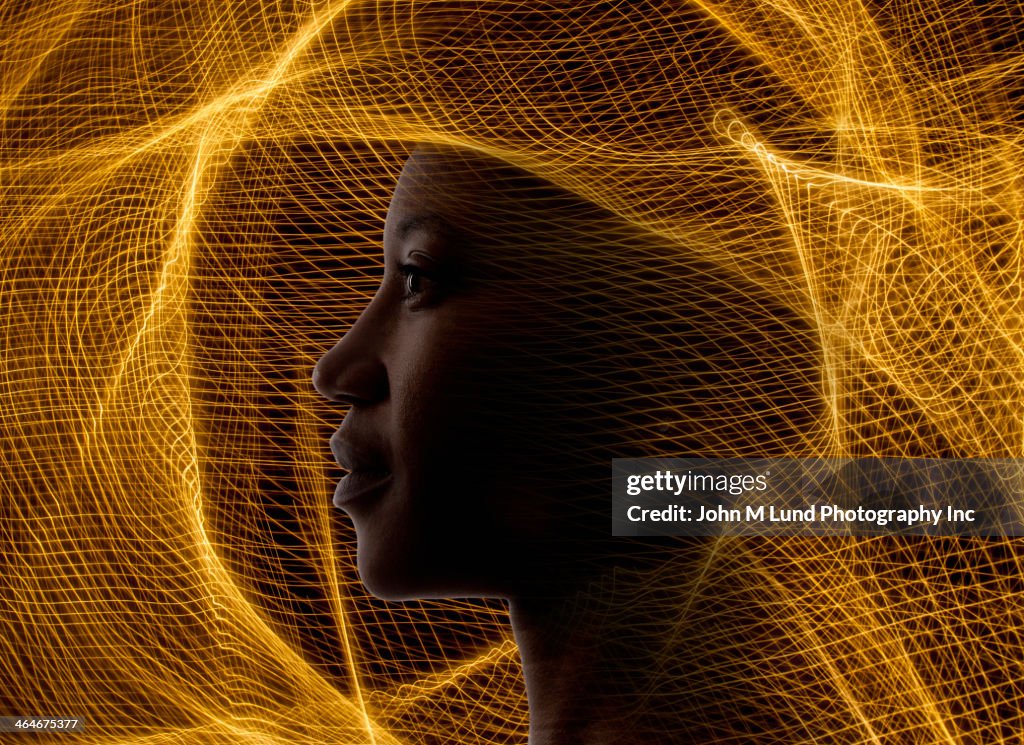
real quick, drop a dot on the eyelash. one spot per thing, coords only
(410, 272)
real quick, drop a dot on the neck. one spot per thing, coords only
(577, 688)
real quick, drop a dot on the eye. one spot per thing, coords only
(419, 286)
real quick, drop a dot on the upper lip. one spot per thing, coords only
(354, 454)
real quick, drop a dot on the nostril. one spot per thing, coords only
(352, 371)
(347, 398)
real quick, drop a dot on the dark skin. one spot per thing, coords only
(489, 381)
(437, 489)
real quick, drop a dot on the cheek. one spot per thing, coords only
(474, 389)
(453, 411)
(489, 389)
(434, 395)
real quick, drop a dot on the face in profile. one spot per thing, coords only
(505, 358)
(445, 424)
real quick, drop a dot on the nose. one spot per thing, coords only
(352, 371)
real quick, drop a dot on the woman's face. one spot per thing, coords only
(444, 432)
(520, 339)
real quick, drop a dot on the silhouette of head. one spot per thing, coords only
(521, 337)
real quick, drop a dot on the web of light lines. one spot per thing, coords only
(193, 196)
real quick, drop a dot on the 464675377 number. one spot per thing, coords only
(27, 724)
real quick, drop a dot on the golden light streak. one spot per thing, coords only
(193, 195)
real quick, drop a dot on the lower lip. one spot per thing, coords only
(359, 486)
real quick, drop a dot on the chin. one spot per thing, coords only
(392, 576)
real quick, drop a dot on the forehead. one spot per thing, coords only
(488, 203)
(465, 189)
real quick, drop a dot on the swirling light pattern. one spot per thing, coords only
(193, 196)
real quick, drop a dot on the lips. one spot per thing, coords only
(360, 486)
(369, 473)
